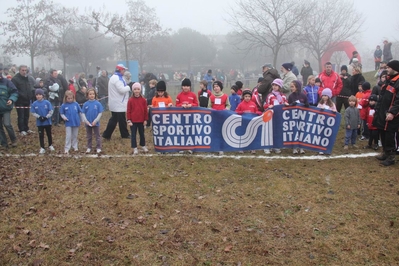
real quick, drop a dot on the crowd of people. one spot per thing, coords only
(370, 113)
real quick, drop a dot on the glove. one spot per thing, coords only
(42, 118)
(293, 104)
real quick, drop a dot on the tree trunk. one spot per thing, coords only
(126, 55)
(64, 66)
(32, 66)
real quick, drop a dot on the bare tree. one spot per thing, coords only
(268, 23)
(63, 45)
(135, 27)
(29, 28)
(190, 46)
(90, 47)
(331, 21)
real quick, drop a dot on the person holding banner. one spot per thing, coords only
(218, 100)
(162, 98)
(297, 96)
(186, 98)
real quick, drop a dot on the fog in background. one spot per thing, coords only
(209, 17)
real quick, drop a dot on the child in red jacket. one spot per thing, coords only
(186, 98)
(373, 131)
(137, 115)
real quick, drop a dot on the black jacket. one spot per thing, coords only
(346, 85)
(355, 80)
(24, 90)
(388, 102)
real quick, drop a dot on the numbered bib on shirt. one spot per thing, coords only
(161, 104)
(218, 101)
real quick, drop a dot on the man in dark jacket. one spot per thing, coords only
(386, 117)
(306, 71)
(8, 96)
(21, 82)
(346, 91)
(54, 95)
(102, 85)
(269, 74)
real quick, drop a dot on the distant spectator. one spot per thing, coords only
(386, 51)
(377, 57)
(306, 71)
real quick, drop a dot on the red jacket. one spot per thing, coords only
(272, 100)
(186, 98)
(247, 107)
(222, 105)
(332, 81)
(137, 110)
(370, 117)
(364, 102)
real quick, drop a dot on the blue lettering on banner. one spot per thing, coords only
(207, 130)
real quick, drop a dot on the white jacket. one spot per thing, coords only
(118, 93)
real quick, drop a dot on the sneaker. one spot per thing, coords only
(145, 149)
(379, 143)
(23, 133)
(266, 151)
(346, 147)
(14, 143)
(295, 151)
(253, 152)
(190, 152)
(301, 151)
(88, 150)
(376, 147)
(98, 150)
(241, 152)
(321, 153)
(181, 152)
(76, 150)
(51, 148)
(277, 151)
(135, 151)
(30, 131)
(221, 153)
(42, 151)
(363, 138)
(66, 152)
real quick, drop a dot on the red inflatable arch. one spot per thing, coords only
(345, 46)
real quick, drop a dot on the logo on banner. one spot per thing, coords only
(233, 122)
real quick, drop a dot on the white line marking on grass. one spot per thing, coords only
(199, 155)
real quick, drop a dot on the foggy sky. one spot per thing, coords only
(208, 16)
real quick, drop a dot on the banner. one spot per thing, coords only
(207, 130)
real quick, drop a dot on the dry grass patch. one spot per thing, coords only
(194, 211)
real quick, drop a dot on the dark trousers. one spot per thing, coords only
(23, 117)
(373, 137)
(116, 118)
(41, 130)
(365, 132)
(56, 113)
(388, 140)
(137, 127)
(149, 117)
(377, 65)
(342, 101)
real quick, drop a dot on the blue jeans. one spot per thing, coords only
(56, 111)
(5, 119)
(350, 135)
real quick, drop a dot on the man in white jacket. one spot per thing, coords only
(118, 96)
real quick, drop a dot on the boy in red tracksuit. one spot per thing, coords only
(186, 98)
(218, 100)
(247, 106)
(364, 102)
(373, 131)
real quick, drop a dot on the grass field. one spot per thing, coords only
(117, 209)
